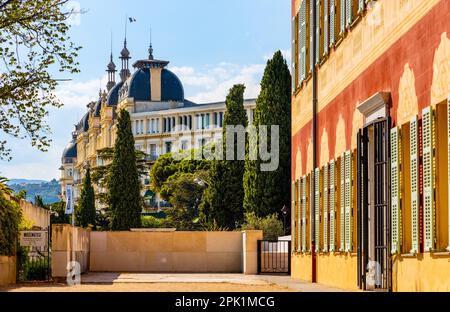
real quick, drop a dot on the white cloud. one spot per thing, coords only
(77, 94)
(212, 83)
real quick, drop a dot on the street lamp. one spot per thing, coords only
(284, 211)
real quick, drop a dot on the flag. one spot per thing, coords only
(132, 19)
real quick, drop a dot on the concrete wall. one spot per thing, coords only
(7, 270)
(40, 217)
(69, 244)
(193, 252)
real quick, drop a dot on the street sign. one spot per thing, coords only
(33, 239)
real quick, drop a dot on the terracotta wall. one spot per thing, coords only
(7, 270)
(69, 244)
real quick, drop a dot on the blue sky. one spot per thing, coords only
(211, 45)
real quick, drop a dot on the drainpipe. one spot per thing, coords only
(314, 140)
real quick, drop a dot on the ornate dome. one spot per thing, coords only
(138, 86)
(98, 108)
(113, 95)
(83, 125)
(70, 151)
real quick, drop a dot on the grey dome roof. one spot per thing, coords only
(83, 125)
(113, 95)
(125, 53)
(70, 151)
(138, 86)
(111, 66)
(98, 108)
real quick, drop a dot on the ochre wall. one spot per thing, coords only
(337, 270)
(301, 267)
(69, 244)
(192, 252)
(7, 270)
(424, 273)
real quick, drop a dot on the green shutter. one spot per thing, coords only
(294, 55)
(348, 13)
(317, 209)
(395, 191)
(342, 22)
(342, 205)
(414, 169)
(325, 208)
(326, 10)
(299, 215)
(304, 214)
(332, 22)
(428, 178)
(317, 31)
(348, 202)
(361, 6)
(302, 40)
(293, 196)
(332, 206)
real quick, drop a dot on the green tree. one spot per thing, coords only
(271, 226)
(59, 213)
(124, 187)
(10, 219)
(222, 202)
(39, 202)
(85, 215)
(267, 192)
(34, 42)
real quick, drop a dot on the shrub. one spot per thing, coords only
(272, 227)
(10, 219)
(149, 222)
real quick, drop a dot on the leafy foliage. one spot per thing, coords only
(150, 222)
(271, 226)
(125, 201)
(222, 201)
(85, 214)
(59, 213)
(267, 192)
(10, 219)
(34, 40)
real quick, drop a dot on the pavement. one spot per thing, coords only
(234, 279)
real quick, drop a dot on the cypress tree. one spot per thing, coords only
(124, 189)
(267, 192)
(222, 202)
(86, 207)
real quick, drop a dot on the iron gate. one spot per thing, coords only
(274, 257)
(33, 256)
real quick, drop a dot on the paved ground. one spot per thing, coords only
(114, 282)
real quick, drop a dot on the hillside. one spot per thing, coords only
(49, 191)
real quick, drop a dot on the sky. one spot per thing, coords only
(211, 45)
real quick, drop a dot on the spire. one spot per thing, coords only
(125, 57)
(150, 49)
(111, 71)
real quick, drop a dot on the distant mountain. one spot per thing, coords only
(25, 181)
(49, 191)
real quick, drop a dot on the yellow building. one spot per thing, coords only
(370, 143)
(162, 119)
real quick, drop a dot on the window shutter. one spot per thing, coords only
(342, 15)
(342, 205)
(317, 31)
(311, 34)
(348, 13)
(317, 209)
(304, 214)
(332, 22)
(395, 191)
(299, 215)
(302, 40)
(428, 183)
(293, 210)
(325, 208)
(361, 6)
(332, 207)
(348, 202)
(326, 10)
(414, 168)
(293, 50)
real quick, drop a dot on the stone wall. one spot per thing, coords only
(7, 270)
